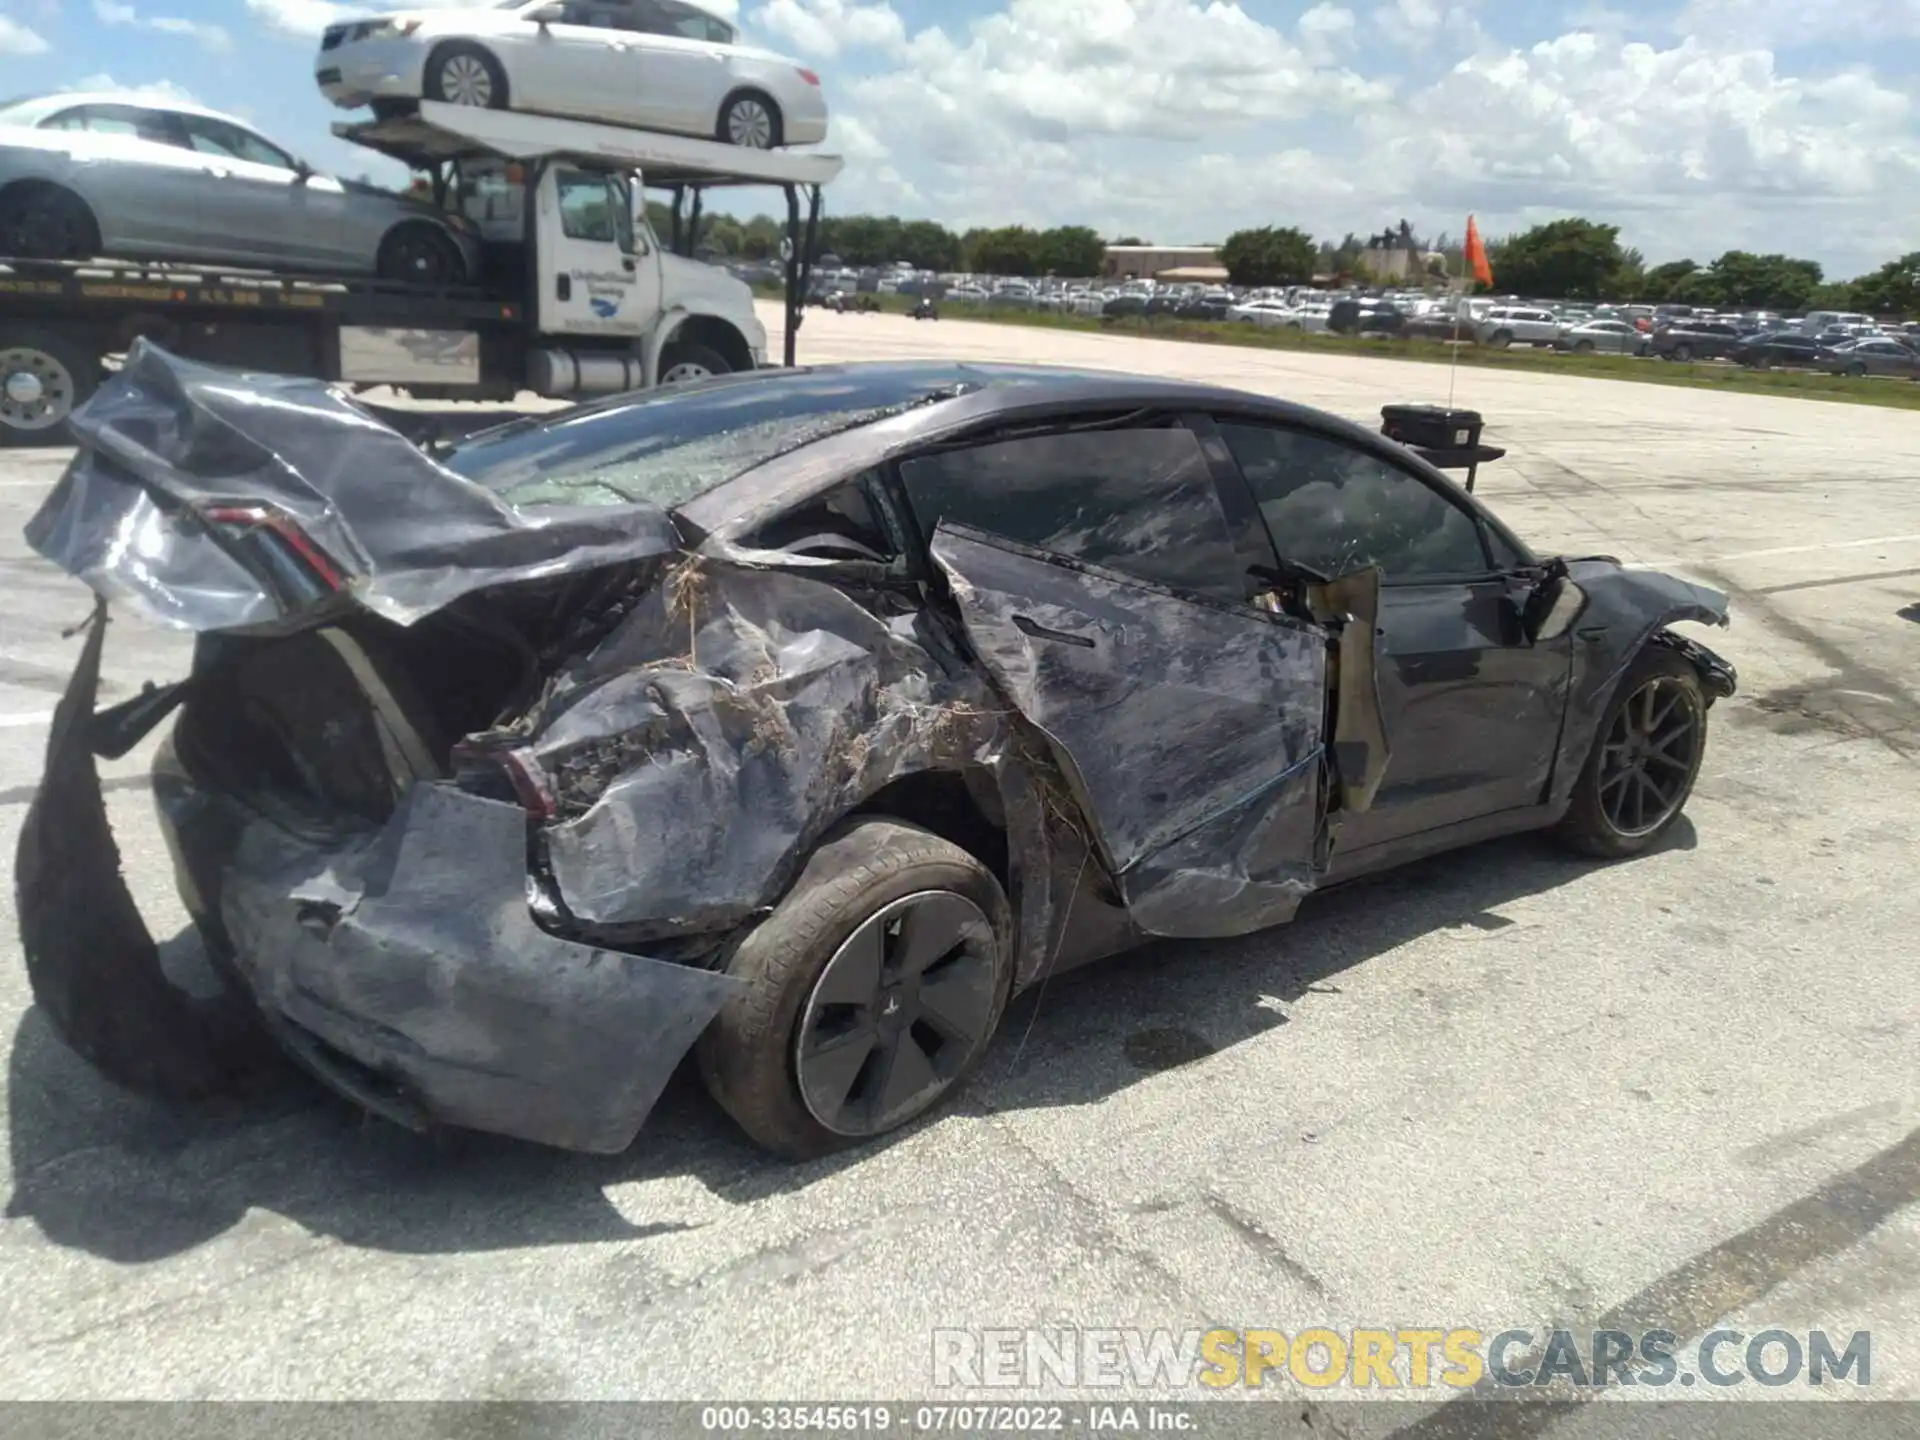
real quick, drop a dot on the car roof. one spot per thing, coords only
(145, 99)
(964, 397)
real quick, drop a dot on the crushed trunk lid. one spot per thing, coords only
(206, 501)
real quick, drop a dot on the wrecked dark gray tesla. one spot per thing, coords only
(796, 718)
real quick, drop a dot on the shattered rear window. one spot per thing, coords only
(666, 447)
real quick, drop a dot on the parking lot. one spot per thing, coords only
(1502, 1089)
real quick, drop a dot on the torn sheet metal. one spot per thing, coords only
(92, 964)
(166, 440)
(1624, 608)
(703, 746)
(411, 956)
(1191, 731)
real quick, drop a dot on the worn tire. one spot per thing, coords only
(434, 84)
(746, 1056)
(1585, 827)
(686, 353)
(72, 355)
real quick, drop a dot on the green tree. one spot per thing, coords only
(760, 238)
(1837, 295)
(1892, 290)
(1661, 284)
(1010, 250)
(1071, 250)
(1275, 255)
(1571, 259)
(929, 245)
(1742, 280)
(1129, 240)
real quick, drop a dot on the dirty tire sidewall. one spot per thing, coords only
(746, 1055)
(72, 355)
(1584, 828)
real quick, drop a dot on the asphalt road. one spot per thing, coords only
(1503, 1089)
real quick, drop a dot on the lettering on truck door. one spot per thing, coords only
(593, 281)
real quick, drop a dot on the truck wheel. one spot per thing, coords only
(683, 362)
(464, 74)
(44, 222)
(872, 991)
(44, 377)
(419, 254)
(750, 119)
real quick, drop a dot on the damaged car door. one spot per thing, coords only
(1101, 583)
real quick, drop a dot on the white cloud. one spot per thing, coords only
(1778, 25)
(17, 39)
(1170, 117)
(155, 90)
(826, 27)
(212, 37)
(302, 18)
(1326, 31)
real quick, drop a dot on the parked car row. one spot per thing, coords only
(1840, 343)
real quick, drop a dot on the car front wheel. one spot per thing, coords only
(1645, 759)
(464, 74)
(870, 993)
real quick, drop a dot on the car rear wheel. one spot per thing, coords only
(1645, 759)
(464, 74)
(420, 254)
(871, 992)
(44, 222)
(750, 120)
(44, 378)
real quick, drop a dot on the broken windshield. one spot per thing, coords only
(665, 447)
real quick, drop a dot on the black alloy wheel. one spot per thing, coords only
(1649, 757)
(901, 1007)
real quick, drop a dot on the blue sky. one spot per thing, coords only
(1696, 125)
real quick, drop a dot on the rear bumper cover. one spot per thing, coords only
(402, 966)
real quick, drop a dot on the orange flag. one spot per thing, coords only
(1477, 255)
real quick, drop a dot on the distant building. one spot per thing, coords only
(1149, 262)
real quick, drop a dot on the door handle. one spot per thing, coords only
(1027, 625)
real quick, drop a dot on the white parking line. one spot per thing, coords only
(1816, 549)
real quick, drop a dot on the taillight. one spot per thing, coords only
(481, 769)
(810, 77)
(265, 536)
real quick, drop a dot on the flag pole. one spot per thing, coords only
(1453, 330)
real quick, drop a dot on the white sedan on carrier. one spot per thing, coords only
(652, 64)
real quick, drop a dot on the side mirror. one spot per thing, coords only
(548, 15)
(1553, 607)
(302, 172)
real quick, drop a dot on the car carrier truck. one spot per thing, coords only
(580, 296)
